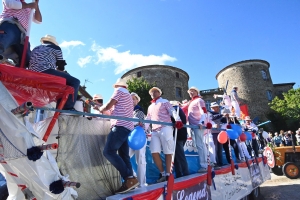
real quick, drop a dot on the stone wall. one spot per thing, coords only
(167, 78)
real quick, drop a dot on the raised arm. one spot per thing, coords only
(37, 15)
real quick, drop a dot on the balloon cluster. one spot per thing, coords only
(233, 131)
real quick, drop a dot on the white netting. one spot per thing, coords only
(7, 150)
(80, 154)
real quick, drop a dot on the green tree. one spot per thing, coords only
(288, 107)
(141, 87)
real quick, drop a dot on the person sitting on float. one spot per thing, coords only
(47, 58)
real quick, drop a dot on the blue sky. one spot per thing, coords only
(102, 39)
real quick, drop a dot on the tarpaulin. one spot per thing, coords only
(38, 88)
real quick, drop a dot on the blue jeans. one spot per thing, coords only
(180, 163)
(71, 81)
(12, 37)
(117, 141)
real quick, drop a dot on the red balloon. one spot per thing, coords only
(228, 126)
(243, 137)
(222, 137)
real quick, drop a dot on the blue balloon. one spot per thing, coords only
(249, 135)
(237, 128)
(137, 138)
(232, 134)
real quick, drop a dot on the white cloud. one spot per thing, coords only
(83, 61)
(72, 43)
(100, 80)
(126, 60)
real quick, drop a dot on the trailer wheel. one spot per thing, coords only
(277, 171)
(291, 170)
(255, 194)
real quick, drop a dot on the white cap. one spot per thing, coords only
(214, 104)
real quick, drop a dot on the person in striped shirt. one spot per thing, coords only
(14, 22)
(116, 149)
(196, 116)
(162, 136)
(47, 58)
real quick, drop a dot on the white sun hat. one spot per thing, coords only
(97, 96)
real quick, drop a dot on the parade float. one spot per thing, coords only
(61, 156)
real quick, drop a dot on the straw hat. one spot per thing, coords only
(155, 88)
(97, 96)
(136, 95)
(120, 82)
(193, 88)
(49, 38)
(247, 118)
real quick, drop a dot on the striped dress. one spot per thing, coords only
(122, 108)
(44, 57)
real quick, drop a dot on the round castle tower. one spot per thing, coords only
(171, 80)
(255, 86)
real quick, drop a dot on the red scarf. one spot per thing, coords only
(195, 97)
(154, 100)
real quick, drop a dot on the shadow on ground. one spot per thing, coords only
(281, 192)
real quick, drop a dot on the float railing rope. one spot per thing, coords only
(120, 118)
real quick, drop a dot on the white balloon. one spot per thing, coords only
(265, 134)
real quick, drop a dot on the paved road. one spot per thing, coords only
(280, 188)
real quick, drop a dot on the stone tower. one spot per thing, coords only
(171, 80)
(255, 86)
